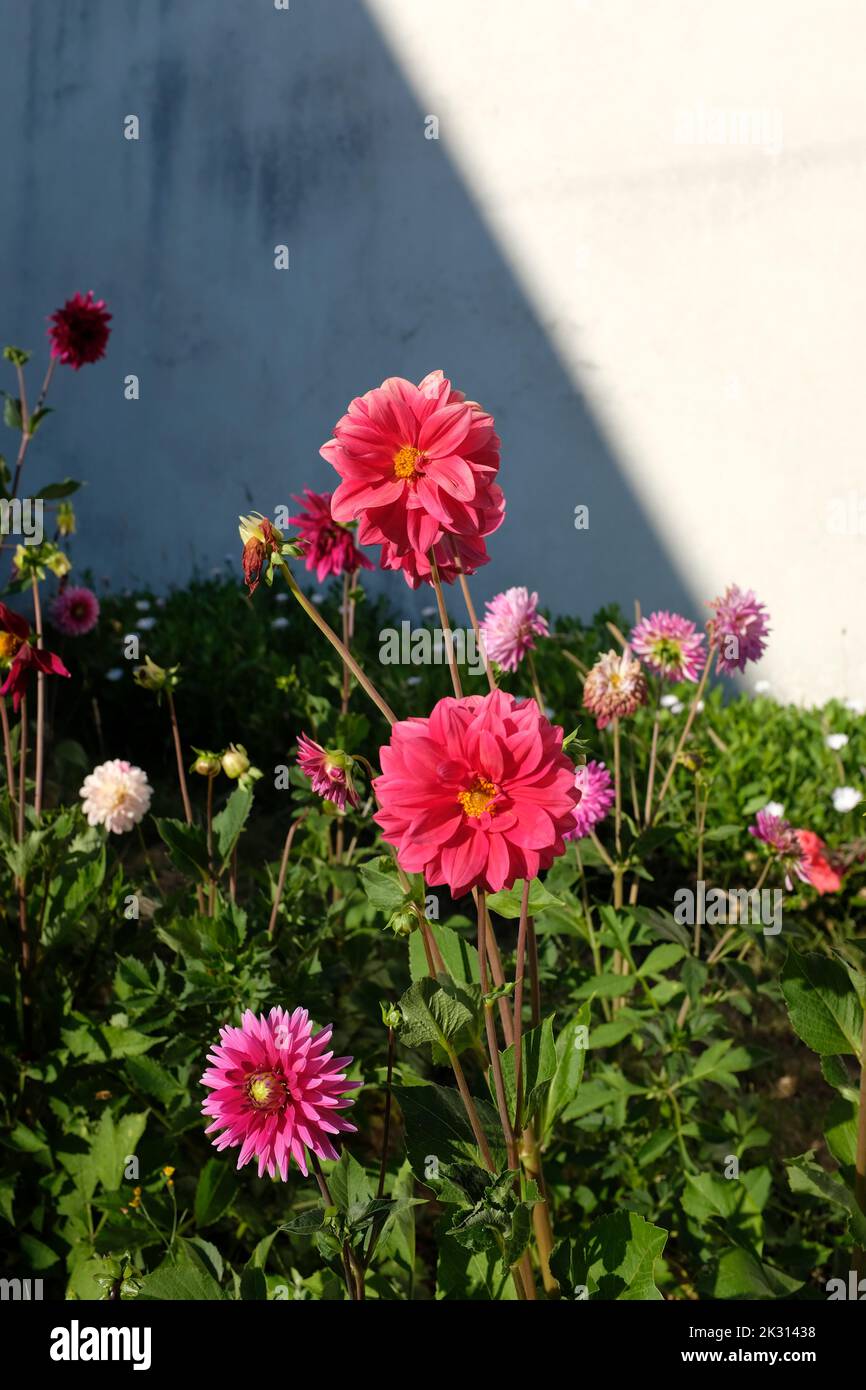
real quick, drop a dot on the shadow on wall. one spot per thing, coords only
(260, 127)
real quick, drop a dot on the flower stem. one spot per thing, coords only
(386, 1130)
(339, 647)
(40, 706)
(687, 728)
(284, 863)
(473, 616)
(211, 897)
(860, 1161)
(533, 675)
(446, 627)
(352, 1271)
(24, 937)
(178, 753)
(617, 779)
(7, 748)
(518, 1004)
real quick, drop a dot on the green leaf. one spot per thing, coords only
(381, 884)
(741, 1275)
(350, 1186)
(440, 1143)
(539, 1062)
(570, 1063)
(182, 1276)
(437, 1013)
(54, 491)
(805, 1175)
(216, 1190)
(186, 844)
(822, 1004)
(148, 1076)
(113, 1144)
(661, 958)
(227, 826)
(507, 903)
(459, 955)
(616, 1258)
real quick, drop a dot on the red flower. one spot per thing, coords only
(329, 547)
(260, 540)
(22, 658)
(818, 869)
(79, 331)
(416, 462)
(478, 795)
(415, 564)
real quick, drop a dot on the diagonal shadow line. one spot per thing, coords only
(257, 128)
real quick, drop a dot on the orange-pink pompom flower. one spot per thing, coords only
(276, 1090)
(478, 795)
(416, 462)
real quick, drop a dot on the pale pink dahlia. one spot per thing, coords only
(75, 611)
(116, 795)
(597, 795)
(329, 771)
(478, 795)
(275, 1091)
(784, 844)
(329, 547)
(670, 646)
(739, 628)
(615, 687)
(511, 626)
(416, 462)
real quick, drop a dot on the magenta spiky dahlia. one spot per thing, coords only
(597, 795)
(784, 844)
(738, 628)
(330, 772)
(615, 687)
(329, 548)
(276, 1090)
(75, 611)
(511, 626)
(79, 331)
(670, 646)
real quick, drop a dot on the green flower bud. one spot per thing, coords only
(235, 761)
(403, 921)
(207, 764)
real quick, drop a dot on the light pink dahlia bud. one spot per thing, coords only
(116, 795)
(670, 646)
(275, 1090)
(511, 626)
(615, 687)
(738, 628)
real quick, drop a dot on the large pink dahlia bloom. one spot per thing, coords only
(329, 548)
(453, 554)
(275, 1091)
(597, 795)
(416, 462)
(739, 627)
(511, 626)
(478, 795)
(670, 646)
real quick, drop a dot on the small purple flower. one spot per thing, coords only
(597, 795)
(511, 626)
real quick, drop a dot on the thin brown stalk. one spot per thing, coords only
(284, 863)
(446, 628)
(473, 617)
(40, 706)
(178, 753)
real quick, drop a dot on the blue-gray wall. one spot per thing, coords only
(260, 127)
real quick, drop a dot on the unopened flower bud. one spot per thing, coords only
(391, 1015)
(156, 678)
(65, 519)
(235, 761)
(404, 921)
(207, 764)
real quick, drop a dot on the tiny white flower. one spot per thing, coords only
(115, 674)
(699, 707)
(762, 687)
(142, 604)
(774, 808)
(856, 706)
(668, 701)
(281, 597)
(280, 622)
(677, 707)
(413, 680)
(146, 624)
(317, 599)
(836, 741)
(846, 798)
(429, 612)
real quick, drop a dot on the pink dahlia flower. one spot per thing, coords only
(416, 462)
(79, 331)
(615, 687)
(597, 795)
(478, 795)
(782, 840)
(329, 772)
(739, 628)
(470, 551)
(329, 547)
(75, 611)
(275, 1091)
(116, 795)
(670, 646)
(511, 626)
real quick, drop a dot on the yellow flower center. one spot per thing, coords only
(479, 798)
(266, 1091)
(9, 645)
(406, 461)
